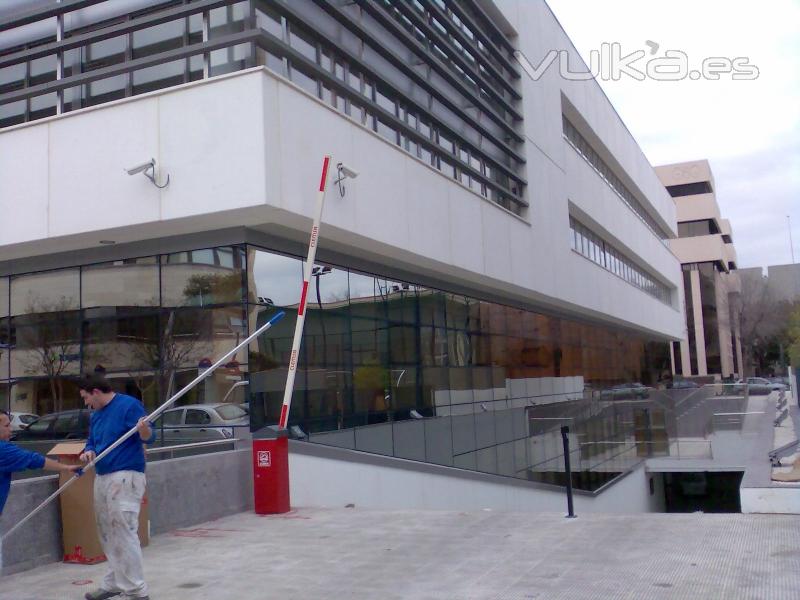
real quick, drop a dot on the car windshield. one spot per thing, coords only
(231, 412)
(42, 424)
(170, 418)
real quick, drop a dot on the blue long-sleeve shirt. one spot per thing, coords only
(110, 423)
(13, 458)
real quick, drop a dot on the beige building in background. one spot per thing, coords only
(704, 246)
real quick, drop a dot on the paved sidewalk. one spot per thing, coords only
(377, 555)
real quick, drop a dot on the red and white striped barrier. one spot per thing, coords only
(301, 311)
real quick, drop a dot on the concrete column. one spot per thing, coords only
(699, 331)
(686, 363)
(723, 325)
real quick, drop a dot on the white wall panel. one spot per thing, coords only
(23, 185)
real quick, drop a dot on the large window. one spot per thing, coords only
(386, 366)
(590, 155)
(584, 241)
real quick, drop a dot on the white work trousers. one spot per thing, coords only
(117, 499)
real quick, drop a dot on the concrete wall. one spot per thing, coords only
(195, 489)
(770, 500)
(181, 492)
(325, 476)
(38, 542)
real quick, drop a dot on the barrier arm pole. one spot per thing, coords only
(301, 311)
(151, 417)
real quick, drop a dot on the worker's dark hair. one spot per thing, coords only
(6, 413)
(94, 381)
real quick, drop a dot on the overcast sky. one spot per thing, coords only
(748, 130)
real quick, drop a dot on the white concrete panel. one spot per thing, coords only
(381, 213)
(322, 482)
(89, 154)
(496, 229)
(214, 155)
(308, 131)
(467, 244)
(426, 197)
(24, 184)
(774, 500)
(534, 385)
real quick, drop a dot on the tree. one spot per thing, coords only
(764, 323)
(170, 350)
(793, 335)
(47, 338)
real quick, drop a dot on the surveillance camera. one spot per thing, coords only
(141, 168)
(345, 171)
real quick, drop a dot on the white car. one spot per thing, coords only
(200, 423)
(20, 421)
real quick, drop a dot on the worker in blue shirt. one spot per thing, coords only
(13, 458)
(119, 484)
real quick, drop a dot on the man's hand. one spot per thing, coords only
(54, 465)
(87, 456)
(144, 429)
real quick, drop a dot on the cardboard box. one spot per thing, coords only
(80, 538)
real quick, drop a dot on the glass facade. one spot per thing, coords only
(389, 367)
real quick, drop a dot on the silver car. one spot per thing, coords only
(200, 423)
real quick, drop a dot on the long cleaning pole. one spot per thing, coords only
(151, 417)
(301, 311)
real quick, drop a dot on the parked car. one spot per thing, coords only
(64, 425)
(20, 420)
(200, 423)
(624, 391)
(682, 384)
(759, 386)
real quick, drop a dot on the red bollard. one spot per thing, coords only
(271, 472)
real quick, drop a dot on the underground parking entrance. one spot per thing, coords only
(706, 491)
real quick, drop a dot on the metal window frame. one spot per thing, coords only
(477, 9)
(403, 66)
(456, 57)
(54, 9)
(282, 49)
(140, 63)
(464, 40)
(457, 8)
(398, 96)
(136, 24)
(392, 26)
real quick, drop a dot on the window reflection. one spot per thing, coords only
(47, 292)
(385, 366)
(273, 279)
(202, 277)
(129, 282)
